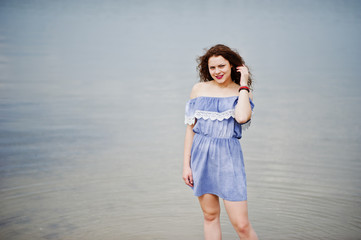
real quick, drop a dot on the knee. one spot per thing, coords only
(211, 216)
(243, 227)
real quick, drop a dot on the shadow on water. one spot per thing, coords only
(92, 96)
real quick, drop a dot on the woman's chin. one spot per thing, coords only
(220, 81)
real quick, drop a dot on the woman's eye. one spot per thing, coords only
(221, 66)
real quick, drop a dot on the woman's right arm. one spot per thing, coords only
(188, 140)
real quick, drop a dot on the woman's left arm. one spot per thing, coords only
(243, 110)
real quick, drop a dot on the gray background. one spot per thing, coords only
(92, 97)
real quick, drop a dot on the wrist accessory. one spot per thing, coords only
(243, 88)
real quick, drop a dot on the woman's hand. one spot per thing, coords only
(187, 176)
(244, 75)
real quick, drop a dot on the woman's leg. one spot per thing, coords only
(211, 213)
(238, 215)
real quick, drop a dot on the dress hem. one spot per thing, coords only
(221, 196)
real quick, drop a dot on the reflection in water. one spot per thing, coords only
(91, 117)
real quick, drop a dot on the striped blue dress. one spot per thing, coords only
(216, 156)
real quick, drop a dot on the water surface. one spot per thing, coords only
(92, 97)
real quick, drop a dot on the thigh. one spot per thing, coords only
(237, 211)
(209, 204)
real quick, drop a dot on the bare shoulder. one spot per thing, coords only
(197, 88)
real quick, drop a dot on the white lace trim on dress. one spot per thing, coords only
(209, 115)
(189, 120)
(214, 116)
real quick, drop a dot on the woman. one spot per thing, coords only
(220, 107)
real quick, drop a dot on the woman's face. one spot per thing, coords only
(220, 69)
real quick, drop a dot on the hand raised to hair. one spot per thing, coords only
(244, 75)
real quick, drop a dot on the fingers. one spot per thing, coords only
(191, 180)
(188, 180)
(242, 69)
(188, 176)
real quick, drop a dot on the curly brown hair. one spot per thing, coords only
(230, 54)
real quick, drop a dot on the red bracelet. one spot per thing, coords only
(243, 87)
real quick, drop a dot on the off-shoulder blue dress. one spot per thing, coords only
(216, 156)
